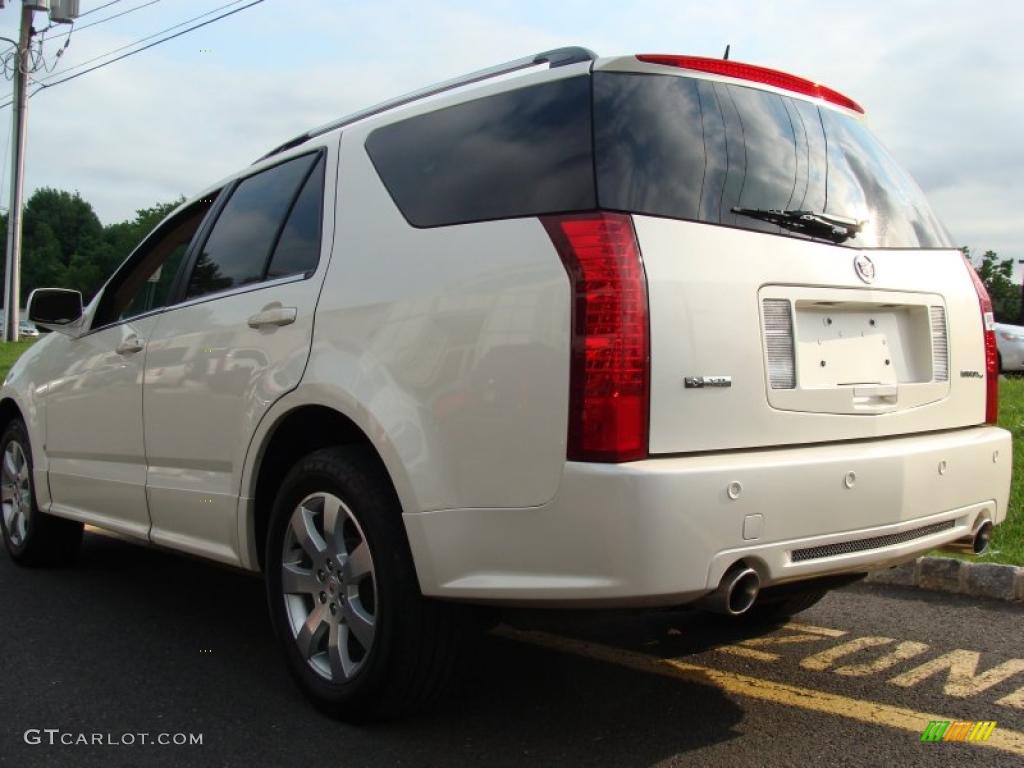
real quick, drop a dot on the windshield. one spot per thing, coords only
(700, 150)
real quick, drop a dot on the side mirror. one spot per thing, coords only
(56, 309)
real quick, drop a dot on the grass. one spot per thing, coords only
(9, 353)
(1008, 541)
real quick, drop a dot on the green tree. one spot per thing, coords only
(997, 275)
(72, 219)
(120, 239)
(65, 245)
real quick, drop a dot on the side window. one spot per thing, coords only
(518, 153)
(298, 250)
(239, 246)
(144, 283)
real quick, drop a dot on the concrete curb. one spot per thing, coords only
(947, 574)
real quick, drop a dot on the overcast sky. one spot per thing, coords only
(940, 82)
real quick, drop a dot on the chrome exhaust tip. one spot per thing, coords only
(982, 538)
(975, 543)
(736, 593)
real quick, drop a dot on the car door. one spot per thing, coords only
(94, 443)
(238, 340)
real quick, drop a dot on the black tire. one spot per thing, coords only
(44, 539)
(417, 642)
(777, 611)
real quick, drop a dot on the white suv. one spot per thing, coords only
(635, 331)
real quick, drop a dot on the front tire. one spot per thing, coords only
(32, 537)
(358, 636)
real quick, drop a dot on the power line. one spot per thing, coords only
(136, 42)
(105, 19)
(99, 8)
(43, 86)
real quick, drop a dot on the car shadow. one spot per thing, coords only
(669, 633)
(138, 640)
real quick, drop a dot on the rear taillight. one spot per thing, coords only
(754, 73)
(609, 382)
(991, 353)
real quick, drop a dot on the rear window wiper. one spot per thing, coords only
(838, 229)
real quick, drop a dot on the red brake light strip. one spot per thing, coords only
(755, 74)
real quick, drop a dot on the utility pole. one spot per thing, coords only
(12, 275)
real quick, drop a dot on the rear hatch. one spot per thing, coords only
(767, 334)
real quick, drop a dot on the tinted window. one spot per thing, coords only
(155, 292)
(646, 129)
(695, 149)
(144, 283)
(517, 153)
(298, 250)
(238, 248)
(865, 183)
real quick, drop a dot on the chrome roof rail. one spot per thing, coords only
(559, 57)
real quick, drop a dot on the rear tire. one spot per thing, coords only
(360, 639)
(32, 537)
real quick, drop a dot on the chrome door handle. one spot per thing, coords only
(130, 345)
(273, 315)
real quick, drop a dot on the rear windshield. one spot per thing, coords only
(695, 149)
(663, 145)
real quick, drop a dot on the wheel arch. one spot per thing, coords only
(292, 434)
(9, 409)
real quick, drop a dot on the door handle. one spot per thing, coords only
(273, 315)
(130, 345)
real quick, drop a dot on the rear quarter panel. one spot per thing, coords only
(454, 341)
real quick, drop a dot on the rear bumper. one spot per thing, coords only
(664, 531)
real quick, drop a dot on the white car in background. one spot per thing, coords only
(27, 330)
(1010, 341)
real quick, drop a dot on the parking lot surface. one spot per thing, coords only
(138, 641)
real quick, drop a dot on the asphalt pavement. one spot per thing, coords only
(137, 641)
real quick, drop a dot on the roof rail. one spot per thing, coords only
(558, 57)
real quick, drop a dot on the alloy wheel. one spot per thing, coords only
(15, 492)
(329, 587)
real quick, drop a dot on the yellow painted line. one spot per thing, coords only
(748, 648)
(748, 653)
(808, 699)
(825, 631)
(825, 659)
(773, 640)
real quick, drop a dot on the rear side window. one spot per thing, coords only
(517, 153)
(696, 149)
(298, 250)
(239, 246)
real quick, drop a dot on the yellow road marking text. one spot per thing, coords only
(784, 694)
